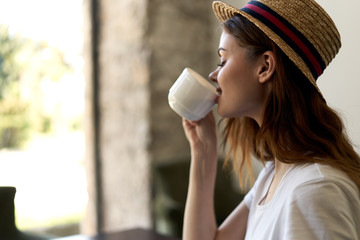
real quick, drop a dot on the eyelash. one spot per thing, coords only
(221, 64)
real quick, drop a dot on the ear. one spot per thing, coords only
(267, 64)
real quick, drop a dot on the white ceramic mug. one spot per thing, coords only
(192, 96)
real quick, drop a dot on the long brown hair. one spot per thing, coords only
(298, 126)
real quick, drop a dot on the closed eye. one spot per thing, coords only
(221, 64)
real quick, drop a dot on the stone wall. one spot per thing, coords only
(89, 224)
(141, 46)
(124, 104)
(180, 34)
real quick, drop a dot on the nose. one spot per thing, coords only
(213, 76)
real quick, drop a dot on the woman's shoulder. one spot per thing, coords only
(320, 173)
(323, 180)
(317, 192)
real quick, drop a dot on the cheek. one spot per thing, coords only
(231, 79)
(239, 85)
(229, 76)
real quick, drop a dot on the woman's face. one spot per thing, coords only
(237, 75)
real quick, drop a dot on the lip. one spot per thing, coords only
(219, 91)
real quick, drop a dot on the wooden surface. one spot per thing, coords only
(133, 234)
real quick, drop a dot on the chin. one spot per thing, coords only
(223, 113)
(228, 113)
(225, 110)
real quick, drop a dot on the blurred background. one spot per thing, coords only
(86, 134)
(41, 109)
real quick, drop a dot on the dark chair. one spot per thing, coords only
(8, 229)
(170, 191)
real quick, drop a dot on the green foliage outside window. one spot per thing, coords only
(25, 66)
(14, 123)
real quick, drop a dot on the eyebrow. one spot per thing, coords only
(221, 49)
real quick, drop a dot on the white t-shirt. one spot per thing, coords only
(312, 201)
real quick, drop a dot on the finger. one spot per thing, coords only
(190, 123)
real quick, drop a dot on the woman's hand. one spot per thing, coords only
(202, 135)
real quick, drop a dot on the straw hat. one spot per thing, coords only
(301, 28)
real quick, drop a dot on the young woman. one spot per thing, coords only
(271, 53)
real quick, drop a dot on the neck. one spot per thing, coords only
(281, 168)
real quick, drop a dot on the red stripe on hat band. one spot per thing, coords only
(289, 33)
